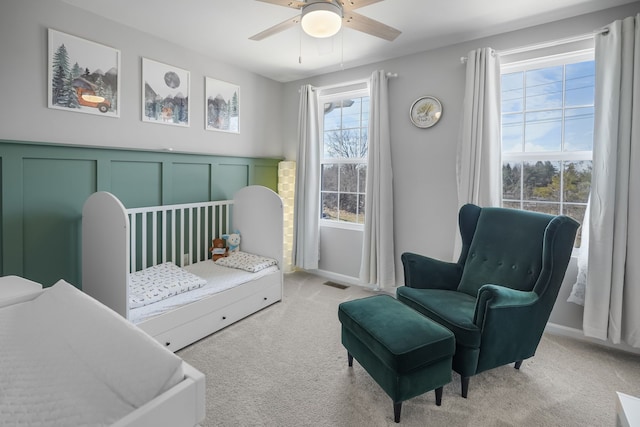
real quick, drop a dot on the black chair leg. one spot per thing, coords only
(397, 407)
(518, 364)
(439, 396)
(465, 386)
(350, 359)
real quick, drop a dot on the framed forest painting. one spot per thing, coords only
(83, 76)
(222, 106)
(165, 93)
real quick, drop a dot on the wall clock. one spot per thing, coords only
(425, 111)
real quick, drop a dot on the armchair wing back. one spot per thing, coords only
(506, 250)
(498, 297)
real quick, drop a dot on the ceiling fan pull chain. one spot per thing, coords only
(300, 46)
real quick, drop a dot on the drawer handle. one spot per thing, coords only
(265, 298)
(224, 317)
(167, 343)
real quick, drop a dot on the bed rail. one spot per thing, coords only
(181, 233)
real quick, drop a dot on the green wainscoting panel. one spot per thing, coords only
(43, 188)
(194, 182)
(229, 178)
(54, 192)
(267, 175)
(138, 183)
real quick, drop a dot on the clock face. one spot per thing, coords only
(425, 112)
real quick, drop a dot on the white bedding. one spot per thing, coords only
(38, 377)
(218, 279)
(246, 261)
(67, 360)
(160, 282)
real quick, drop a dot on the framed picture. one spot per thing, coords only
(222, 106)
(84, 76)
(165, 94)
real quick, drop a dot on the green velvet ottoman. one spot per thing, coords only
(406, 353)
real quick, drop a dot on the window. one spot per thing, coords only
(547, 134)
(344, 127)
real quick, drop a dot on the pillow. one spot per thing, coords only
(129, 361)
(159, 282)
(246, 261)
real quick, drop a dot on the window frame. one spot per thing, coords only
(323, 98)
(539, 62)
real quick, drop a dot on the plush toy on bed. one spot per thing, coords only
(233, 241)
(218, 249)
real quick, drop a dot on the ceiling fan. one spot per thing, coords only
(323, 18)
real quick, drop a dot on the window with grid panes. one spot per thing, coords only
(344, 127)
(547, 134)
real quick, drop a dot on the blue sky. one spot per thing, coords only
(531, 106)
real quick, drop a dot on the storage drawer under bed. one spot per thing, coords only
(186, 333)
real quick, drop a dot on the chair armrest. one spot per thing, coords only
(424, 272)
(492, 297)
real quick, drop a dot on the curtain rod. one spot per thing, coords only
(587, 36)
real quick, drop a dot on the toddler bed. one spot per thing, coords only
(67, 360)
(153, 266)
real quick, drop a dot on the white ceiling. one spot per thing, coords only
(221, 29)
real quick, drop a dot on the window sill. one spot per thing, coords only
(342, 225)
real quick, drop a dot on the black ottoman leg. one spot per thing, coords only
(350, 359)
(439, 396)
(397, 407)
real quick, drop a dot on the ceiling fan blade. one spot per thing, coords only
(286, 3)
(276, 28)
(370, 26)
(348, 5)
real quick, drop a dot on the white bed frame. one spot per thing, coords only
(183, 405)
(117, 241)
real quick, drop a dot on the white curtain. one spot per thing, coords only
(306, 251)
(378, 258)
(479, 160)
(578, 290)
(613, 283)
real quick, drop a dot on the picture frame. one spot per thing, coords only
(425, 111)
(83, 76)
(222, 106)
(165, 94)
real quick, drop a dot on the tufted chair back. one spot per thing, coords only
(506, 250)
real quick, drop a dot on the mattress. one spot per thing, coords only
(67, 360)
(218, 279)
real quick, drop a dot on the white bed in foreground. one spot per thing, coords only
(67, 360)
(117, 242)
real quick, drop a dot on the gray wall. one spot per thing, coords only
(24, 114)
(424, 160)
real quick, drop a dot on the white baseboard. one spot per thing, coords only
(566, 331)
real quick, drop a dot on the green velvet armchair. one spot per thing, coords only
(498, 297)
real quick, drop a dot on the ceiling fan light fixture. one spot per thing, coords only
(321, 19)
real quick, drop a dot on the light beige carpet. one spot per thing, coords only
(285, 366)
